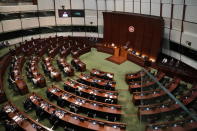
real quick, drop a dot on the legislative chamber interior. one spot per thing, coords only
(98, 65)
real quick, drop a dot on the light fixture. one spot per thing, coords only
(152, 60)
(137, 53)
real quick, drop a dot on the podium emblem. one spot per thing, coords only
(131, 29)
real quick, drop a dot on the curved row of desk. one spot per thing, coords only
(50, 70)
(33, 73)
(78, 64)
(68, 118)
(187, 124)
(16, 79)
(3, 65)
(102, 74)
(18, 120)
(157, 109)
(97, 82)
(154, 94)
(65, 67)
(136, 86)
(91, 92)
(130, 77)
(84, 105)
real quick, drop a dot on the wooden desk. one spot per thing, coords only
(22, 119)
(22, 87)
(147, 111)
(105, 49)
(5, 61)
(88, 91)
(102, 74)
(17, 76)
(81, 122)
(78, 51)
(33, 69)
(65, 67)
(97, 82)
(137, 87)
(84, 105)
(180, 125)
(64, 51)
(147, 95)
(78, 64)
(131, 77)
(51, 69)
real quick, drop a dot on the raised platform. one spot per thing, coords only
(118, 60)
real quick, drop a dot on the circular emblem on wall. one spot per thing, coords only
(131, 29)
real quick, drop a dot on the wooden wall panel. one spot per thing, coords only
(146, 39)
(107, 27)
(124, 30)
(115, 29)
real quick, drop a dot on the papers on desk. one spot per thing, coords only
(65, 97)
(59, 114)
(112, 107)
(17, 118)
(9, 110)
(84, 77)
(53, 91)
(94, 123)
(43, 105)
(94, 104)
(109, 75)
(78, 103)
(96, 72)
(79, 88)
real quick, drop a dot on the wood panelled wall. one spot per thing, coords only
(146, 39)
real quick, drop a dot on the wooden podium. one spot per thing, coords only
(120, 55)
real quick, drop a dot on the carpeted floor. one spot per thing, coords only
(92, 59)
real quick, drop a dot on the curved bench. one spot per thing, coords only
(90, 92)
(63, 117)
(84, 105)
